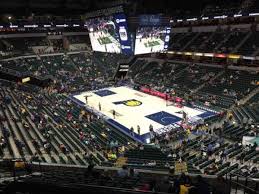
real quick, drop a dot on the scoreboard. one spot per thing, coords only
(112, 33)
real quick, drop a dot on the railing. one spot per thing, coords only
(247, 185)
(10, 71)
(235, 183)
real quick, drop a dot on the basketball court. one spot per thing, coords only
(134, 108)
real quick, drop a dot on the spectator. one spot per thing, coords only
(185, 185)
(123, 172)
(174, 183)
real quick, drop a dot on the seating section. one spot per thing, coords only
(156, 75)
(3, 46)
(249, 112)
(97, 180)
(16, 44)
(219, 41)
(236, 133)
(28, 139)
(222, 40)
(99, 68)
(181, 41)
(137, 67)
(94, 136)
(251, 45)
(19, 65)
(193, 77)
(231, 85)
(35, 126)
(196, 43)
(57, 44)
(78, 179)
(77, 67)
(214, 84)
(232, 41)
(213, 41)
(37, 41)
(192, 151)
(78, 39)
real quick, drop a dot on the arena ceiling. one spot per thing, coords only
(67, 7)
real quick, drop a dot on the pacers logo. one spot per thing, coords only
(131, 102)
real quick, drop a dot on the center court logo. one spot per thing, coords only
(131, 102)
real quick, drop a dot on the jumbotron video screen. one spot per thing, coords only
(103, 34)
(152, 39)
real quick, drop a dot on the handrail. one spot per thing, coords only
(242, 182)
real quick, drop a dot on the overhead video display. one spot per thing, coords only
(152, 39)
(109, 34)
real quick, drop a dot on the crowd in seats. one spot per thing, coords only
(223, 40)
(156, 75)
(16, 44)
(213, 41)
(124, 178)
(204, 152)
(248, 113)
(182, 40)
(228, 45)
(19, 65)
(23, 45)
(137, 67)
(68, 65)
(30, 134)
(193, 76)
(227, 41)
(43, 45)
(95, 66)
(55, 127)
(52, 129)
(251, 45)
(75, 72)
(222, 91)
(3, 47)
(78, 39)
(213, 156)
(220, 87)
(57, 44)
(198, 41)
(235, 84)
(37, 41)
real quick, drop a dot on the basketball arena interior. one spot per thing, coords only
(129, 96)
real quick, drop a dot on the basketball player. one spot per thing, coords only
(138, 129)
(100, 107)
(166, 99)
(114, 114)
(132, 131)
(150, 127)
(86, 97)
